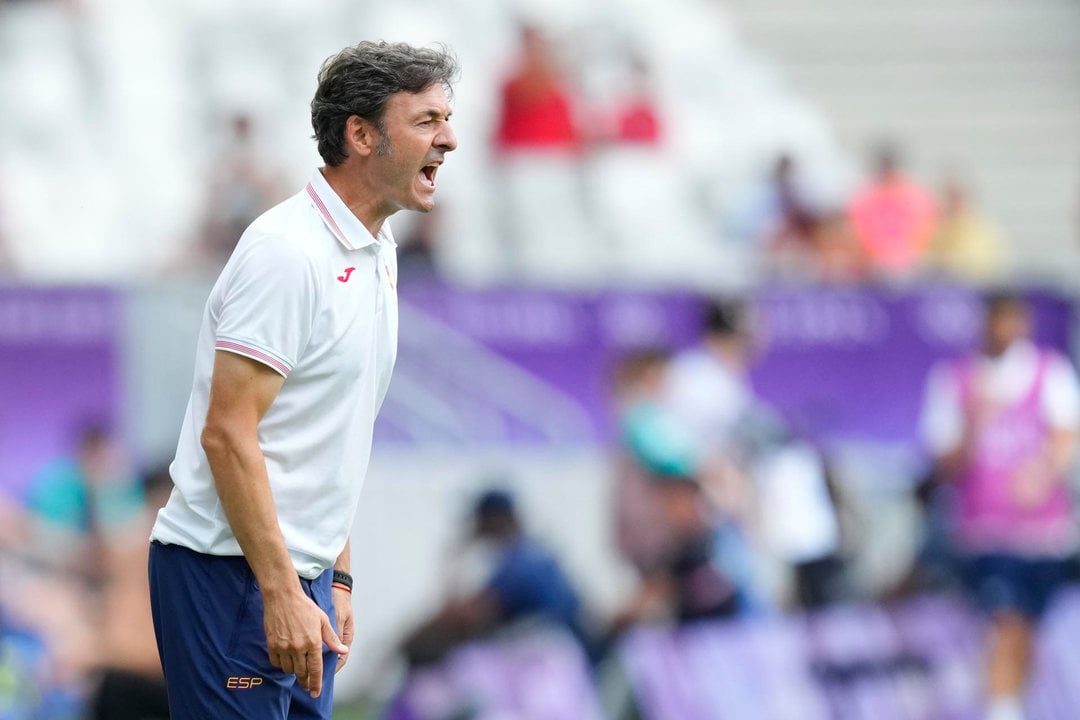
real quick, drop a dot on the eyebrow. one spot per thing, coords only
(434, 114)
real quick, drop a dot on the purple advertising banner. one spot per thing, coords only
(519, 366)
(58, 369)
(527, 367)
(851, 363)
(532, 368)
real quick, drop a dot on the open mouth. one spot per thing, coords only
(427, 174)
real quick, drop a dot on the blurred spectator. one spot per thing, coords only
(649, 432)
(794, 230)
(77, 509)
(25, 693)
(526, 583)
(771, 488)
(707, 392)
(777, 220)
(1003, 426)
(707, 387)
(634, 118)
(75, 503)
(641, 537)
(797, 511)
(788, 223)
(544, 221)
(535, 109)
(665, 525)
(894, 219)
(966, 246)
(699, 588)
(242, 187)
(685, 582)
(131, 685)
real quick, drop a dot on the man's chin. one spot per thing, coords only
(423, 205)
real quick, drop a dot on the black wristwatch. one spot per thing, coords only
(343, 578)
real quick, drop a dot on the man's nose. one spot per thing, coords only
(446, 140)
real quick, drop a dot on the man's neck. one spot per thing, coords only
(353, 189)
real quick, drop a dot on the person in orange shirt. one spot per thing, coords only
(894, 219)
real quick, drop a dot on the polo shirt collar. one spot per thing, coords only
(340, 220)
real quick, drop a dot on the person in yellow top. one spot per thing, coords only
(966, 246)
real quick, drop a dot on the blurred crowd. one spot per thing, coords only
(891, 229)
(585, 145)
(714, 487)
(76, 639)
(724, 513)
(591, 157)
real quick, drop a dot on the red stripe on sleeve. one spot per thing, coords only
(254, 353)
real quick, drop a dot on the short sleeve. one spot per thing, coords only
(942, 421)
(268, 303)
(1061, 394)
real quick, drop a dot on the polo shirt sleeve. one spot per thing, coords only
(268, 306)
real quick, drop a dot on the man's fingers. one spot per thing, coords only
(299, 652)
(315, 666)
(341, 659)
(331, 639)
(302, 668)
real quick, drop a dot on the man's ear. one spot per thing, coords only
(361, 136)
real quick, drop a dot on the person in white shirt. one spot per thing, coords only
(250, 557)
(771, 486)
(707, 386)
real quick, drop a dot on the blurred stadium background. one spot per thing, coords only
(685, 151)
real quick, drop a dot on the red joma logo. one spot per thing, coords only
(345, 277)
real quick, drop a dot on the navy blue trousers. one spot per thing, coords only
(208, 618)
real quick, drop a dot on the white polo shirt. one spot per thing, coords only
(310, 293)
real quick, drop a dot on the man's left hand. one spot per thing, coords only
(344, 615)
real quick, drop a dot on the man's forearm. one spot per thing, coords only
(344, 560)
(239, 471)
